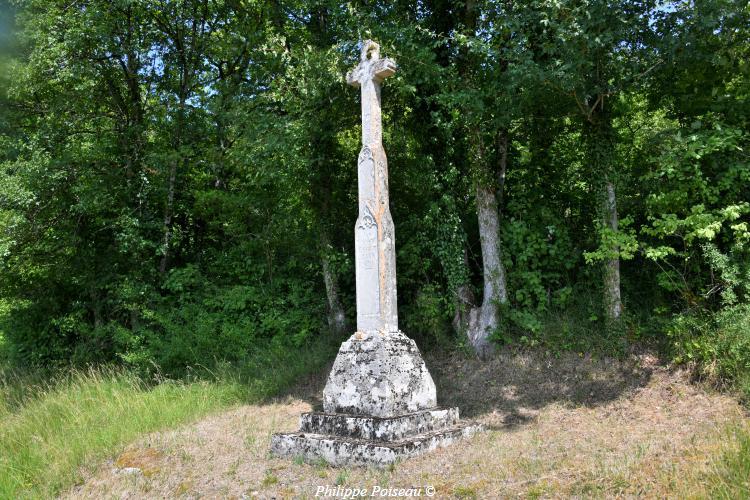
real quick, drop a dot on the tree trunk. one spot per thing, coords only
(484, 320)
(168, 216)
(168, 206)
(465, 302)
(601, 142)
(336, 315)
(612, 300)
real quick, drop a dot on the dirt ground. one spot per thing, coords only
(556, 427)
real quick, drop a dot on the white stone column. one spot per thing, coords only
(374, 234)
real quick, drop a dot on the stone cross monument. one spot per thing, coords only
(374, 239)
(379, 402)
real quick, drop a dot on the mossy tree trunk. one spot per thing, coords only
(599, 133)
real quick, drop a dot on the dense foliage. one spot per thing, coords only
(177, 181)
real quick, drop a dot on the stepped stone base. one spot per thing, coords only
(342, 439)
(380, 429)
(379, 406)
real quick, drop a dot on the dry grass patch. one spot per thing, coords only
(141, 460)
(567, 427)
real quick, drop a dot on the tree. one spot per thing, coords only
(600, 50)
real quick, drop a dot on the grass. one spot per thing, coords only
(78, 422)
(52, 431)
(729, 476)
(637, 436)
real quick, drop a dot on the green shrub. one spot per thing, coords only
(429, 315)
(538, 254)
(718, 345)
(195, 320)
(199, 324)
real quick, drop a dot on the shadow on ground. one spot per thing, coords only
(512, 387)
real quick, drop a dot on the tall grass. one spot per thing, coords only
(50, 432)
(730, 474)
(44, 444)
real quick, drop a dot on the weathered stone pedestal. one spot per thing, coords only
(379, 406)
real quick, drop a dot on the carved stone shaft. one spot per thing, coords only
(374, 235)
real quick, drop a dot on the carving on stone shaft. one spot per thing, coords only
(374, 240)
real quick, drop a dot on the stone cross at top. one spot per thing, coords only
(374, 234)
(368, 75)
